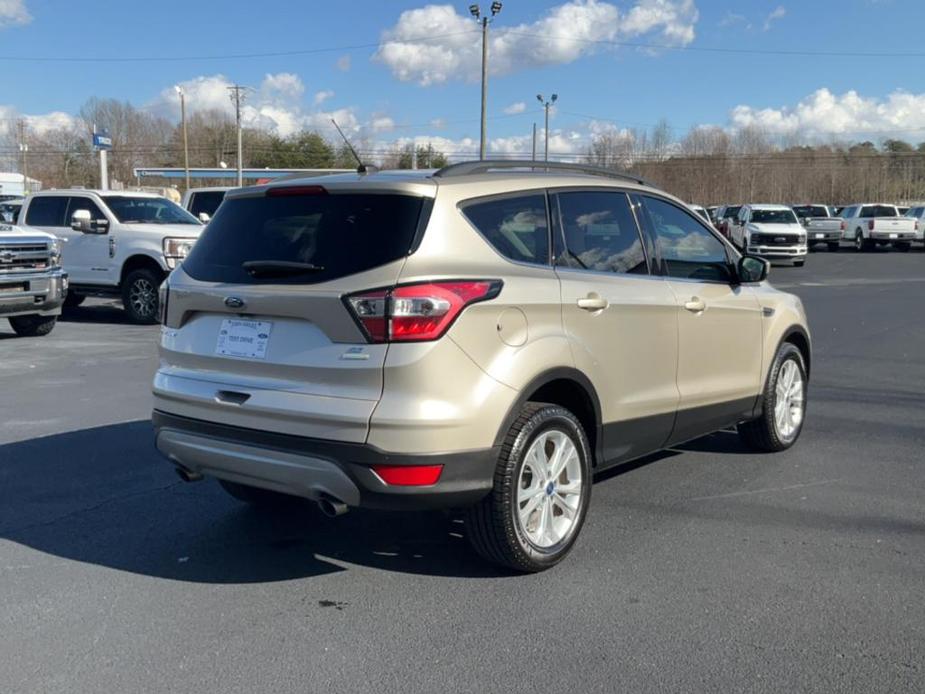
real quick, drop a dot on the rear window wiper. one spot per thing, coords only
(277, 268)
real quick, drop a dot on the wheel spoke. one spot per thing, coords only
(569, 512)
(565, 451)
(572, 487)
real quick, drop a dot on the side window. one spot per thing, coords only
(688, 249)
(600, 232)
(515, 226)
(205, 201)
(47, 211)
(78, 203)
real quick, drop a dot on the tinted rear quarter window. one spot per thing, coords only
(47, 211)
(515, 226)
(342, 234)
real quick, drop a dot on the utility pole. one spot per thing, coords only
(185, 140)
(23, 148)
(546, 105)
(237, 98)
(533, 157)
(476, 12)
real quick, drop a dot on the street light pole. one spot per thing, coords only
(546, 105)
(24, 148)
(237, 97)
(476, 12)
(185, 140)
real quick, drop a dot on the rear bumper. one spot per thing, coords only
(315, 468)
(823, 236)
(892, 237)
(40, 293)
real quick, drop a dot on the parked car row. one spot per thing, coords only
(781, 232)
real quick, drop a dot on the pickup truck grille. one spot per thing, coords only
(23, 257)
(773, 240)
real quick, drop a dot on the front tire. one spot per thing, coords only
(139, 296)
(542, 487)
(783, 404)
(33, 326)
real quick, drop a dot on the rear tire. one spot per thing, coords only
(833, 247)
(139, 296)
(73, 300)
(33, 326)
(542, 487)
(862, 245)
(783, 404)
(255, 496)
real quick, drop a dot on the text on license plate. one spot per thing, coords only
(820, 236)
(247, 339)
(894, 236)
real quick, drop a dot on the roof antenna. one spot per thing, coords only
(362, 168)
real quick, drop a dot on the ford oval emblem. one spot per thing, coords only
(234, 302)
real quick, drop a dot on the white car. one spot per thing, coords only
(117, 243)
(202, 202)
(917, 212)
(770, 231)
(875, 224)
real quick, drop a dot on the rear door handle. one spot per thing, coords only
(593, 302)
(695, 305)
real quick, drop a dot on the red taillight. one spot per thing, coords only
(287, 191)
(844, 225)
(870, 225)
(417, 312)
(409, 475)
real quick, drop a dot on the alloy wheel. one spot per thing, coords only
(143, 298)
(790, 402)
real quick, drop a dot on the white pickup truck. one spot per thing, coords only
(820, 225)
(117, 243)
(769, 231)
(872, 224)
(32, 283)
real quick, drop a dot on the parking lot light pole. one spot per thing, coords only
(546, 105)
(185, 140)
(484, 21)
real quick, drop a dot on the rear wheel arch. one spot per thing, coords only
(568, 388)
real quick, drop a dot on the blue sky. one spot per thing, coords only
(426, 88)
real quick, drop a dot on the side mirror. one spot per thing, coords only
(751, 269)
(204, 217)
(80, 221)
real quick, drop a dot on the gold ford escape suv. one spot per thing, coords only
(484, 337)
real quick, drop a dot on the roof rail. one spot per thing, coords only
(468, 168)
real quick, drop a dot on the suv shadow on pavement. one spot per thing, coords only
(96, 312)
(104, 496)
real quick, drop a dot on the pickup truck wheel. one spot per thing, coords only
(542, 488)
(73, 300)
(256, 496)
(783, 404)
(862, 245)
(833, 246)
(33, 326)
(139, 296)
(903, 247)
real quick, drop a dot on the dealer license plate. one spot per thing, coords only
(245, 339)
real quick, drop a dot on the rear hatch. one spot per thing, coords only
(257, 332)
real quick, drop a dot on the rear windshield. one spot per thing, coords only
(811, 211)
(773, 217)
(338, 235)
(878, 211)
(731, 212)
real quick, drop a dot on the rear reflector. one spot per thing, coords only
(417, 312)
(409, 475)
(288, 191)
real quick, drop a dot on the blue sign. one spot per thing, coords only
(102, 140)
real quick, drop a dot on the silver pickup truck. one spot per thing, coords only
(871, 224)
(32, 284)
(821, 227)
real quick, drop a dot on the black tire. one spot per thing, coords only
(833, 247)
(139, 296)
(862, 245)
(762, 434)
(493, 526)
(73, 300)
(255, 496)
(903, 247)
(33, 326)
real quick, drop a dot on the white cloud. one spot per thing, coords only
(778, 12)
(824, 113)
(13, 13)
(323, 96)
(283, 85)
(381, 124)
(56, 120)
(566, 33)
(344, 63)
(513, 109)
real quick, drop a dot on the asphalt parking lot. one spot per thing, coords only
(706, 568)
